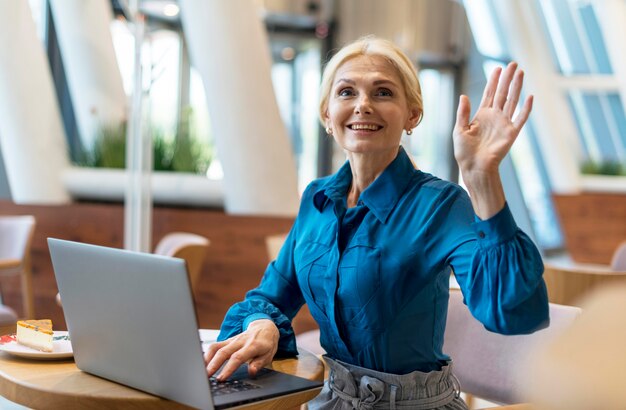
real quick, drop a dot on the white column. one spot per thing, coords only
(93, 76)
(33, 141)
(138, 195)
(229, 47)
(555, 125)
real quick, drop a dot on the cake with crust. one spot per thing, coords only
(36, 334)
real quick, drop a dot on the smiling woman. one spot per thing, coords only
(373, 245)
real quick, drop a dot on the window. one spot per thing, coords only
(581, 59)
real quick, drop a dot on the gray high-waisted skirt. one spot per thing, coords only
(353, 387)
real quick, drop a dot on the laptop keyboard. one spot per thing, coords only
(229, 386)
(233, 386)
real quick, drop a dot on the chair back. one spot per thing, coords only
(16, 234)
(188, 246)
(568, 283)
(489, 365)
(618, 262)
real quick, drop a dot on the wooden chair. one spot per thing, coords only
(489, 365)
(188, 246)
(16, 235)
(568, 282)
(618, 262)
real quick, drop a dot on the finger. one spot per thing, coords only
(522, 116)
(463, 112)
(503, 88)
(516, 90)
(212, 349)
(257, 364)
(490, 88)
(221, 356)
(235, 361)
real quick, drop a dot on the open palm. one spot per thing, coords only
(480, 145)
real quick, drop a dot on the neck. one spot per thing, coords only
(365, 169)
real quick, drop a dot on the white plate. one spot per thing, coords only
(61, 345)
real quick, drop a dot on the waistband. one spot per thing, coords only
(367, 389)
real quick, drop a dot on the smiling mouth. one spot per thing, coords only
(364, 127)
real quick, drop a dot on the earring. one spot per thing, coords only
(329, 131)
(409, 131)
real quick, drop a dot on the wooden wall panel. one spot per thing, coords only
(593, 224)
(235, 262)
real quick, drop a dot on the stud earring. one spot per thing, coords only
(409, 131)
(329, 131)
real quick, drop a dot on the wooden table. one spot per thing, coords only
(60, 384)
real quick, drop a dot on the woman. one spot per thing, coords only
(372, 247)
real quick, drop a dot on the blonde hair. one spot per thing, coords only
(374, 46)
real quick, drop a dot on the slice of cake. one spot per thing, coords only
(36, 334)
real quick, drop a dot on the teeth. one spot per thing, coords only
(370, 127)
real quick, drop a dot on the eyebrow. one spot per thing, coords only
(376, 82)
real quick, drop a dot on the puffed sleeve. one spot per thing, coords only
(278, 298)
(498, 267)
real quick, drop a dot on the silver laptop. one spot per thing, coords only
(131, 320)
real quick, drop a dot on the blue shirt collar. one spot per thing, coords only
(380, 197)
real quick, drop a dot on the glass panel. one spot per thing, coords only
(124, 45)
(162, 55)
(201, 121)
(485, 28)
(564, 37)
(602, 125)
(601, 131)
(582, 123)
(617, 109)
(596, 41)
(576, 38)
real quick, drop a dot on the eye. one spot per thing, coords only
(384, 92)
(345, 92)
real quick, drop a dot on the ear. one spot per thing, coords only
(326, 119)
(414, 117)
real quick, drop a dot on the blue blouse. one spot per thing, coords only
(376, 276)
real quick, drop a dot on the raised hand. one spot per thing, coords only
(256, 346)
(480, 145)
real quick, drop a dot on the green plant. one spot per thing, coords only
(162, 151)
(110, 146)
(609, 167)
(189, 154)
(184, 153)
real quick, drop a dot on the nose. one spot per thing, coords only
(363, 105)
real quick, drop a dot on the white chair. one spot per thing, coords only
(16, 235)
(490, 365)
(618, 262)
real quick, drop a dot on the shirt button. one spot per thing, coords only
(481, 234)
